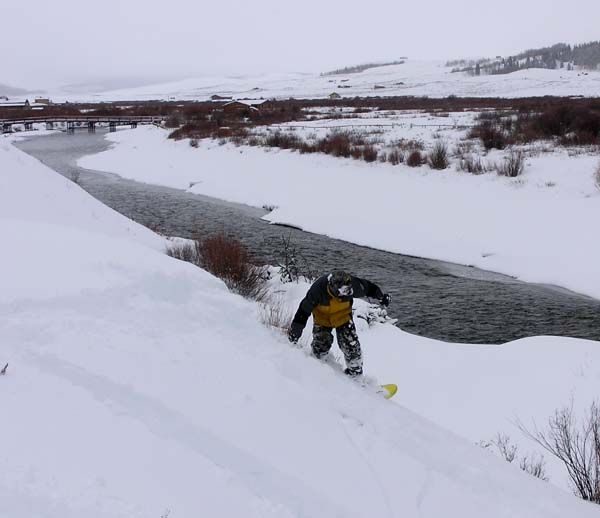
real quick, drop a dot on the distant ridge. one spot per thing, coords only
(361, 68)
(560, 56)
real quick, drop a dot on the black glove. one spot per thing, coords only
(385, 299)
(295, 332)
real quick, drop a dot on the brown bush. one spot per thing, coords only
(415, 159)
(336, 144)
(197, 130)
(283, 140)
(228, 259)
(369, 153)
(356, 152)
(492, 137)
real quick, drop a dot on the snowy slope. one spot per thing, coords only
(414, 77)
(138, 386)
(535, 227)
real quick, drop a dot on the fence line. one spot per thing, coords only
(398, 125)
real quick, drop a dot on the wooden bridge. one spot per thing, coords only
(73, 121)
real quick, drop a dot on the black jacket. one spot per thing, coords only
(318, 295)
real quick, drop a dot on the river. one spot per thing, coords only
(429, 298)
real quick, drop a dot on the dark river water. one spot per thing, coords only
(430, 298)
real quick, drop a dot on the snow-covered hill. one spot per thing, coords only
(138, 386)
(414, 77)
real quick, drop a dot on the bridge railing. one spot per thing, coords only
(84, 118)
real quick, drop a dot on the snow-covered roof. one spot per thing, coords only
(243, 103)
(13, 104)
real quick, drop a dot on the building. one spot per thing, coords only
(241, 109)
(335, 95)
(42, 100)
(15, 105)
(217, 97)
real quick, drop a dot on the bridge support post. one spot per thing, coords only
(112, 127)
(49, 125)
(28, 126)
(6, 128)
(91, 127)
(70, 128)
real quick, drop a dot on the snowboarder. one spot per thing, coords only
(329, 300)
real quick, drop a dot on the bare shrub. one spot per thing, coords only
(415, 159)
(306, 147)
(473, 165)
(576, 445)
(395, 156)
(293, 265)
(188, 251)
(513, 165)
(194, 142)
(409, 145)
(535, 465)
(438, 156)
(463, 148)
(227, 258)
(274, 314)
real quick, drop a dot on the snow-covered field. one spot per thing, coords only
(414, 77)
(538, 227)
(138, 386)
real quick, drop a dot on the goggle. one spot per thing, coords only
(345, 291)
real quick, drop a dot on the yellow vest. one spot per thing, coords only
(338, 313)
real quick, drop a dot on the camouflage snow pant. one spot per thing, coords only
(347, 341)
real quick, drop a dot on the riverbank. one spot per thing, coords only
(537, 227)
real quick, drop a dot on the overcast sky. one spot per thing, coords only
(55, 42)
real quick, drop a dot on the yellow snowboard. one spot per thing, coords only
(387, 391)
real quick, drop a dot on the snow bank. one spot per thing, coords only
(138, 386)
(537, 227)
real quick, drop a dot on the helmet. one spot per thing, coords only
(340, 283)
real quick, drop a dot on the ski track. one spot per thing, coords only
(376, 477)
(260, 477)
